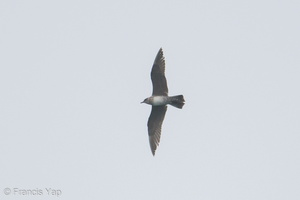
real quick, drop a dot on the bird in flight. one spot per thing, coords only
(159, 100)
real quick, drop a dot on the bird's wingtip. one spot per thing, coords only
(153, 153)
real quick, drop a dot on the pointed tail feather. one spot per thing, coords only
(177, 101)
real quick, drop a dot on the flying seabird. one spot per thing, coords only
(159, 100)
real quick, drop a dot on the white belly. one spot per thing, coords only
(159, 101)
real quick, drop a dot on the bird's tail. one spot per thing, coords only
(177, 101)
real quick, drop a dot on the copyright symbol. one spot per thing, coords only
(7, 191)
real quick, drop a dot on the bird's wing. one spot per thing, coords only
(154, 125)
(158, 78)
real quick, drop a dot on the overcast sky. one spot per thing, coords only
(73, 74)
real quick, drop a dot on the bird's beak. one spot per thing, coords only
(142, 102)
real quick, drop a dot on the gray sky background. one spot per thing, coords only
(73, 74)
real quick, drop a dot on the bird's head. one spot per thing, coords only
(147, 101)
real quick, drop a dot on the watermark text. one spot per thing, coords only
(32, 192)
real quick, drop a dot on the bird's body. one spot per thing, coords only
(159, 100)
(176, 101)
